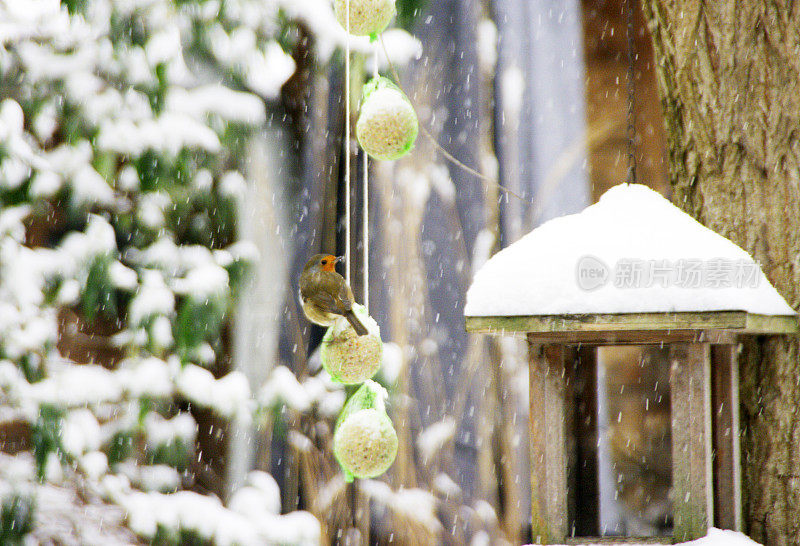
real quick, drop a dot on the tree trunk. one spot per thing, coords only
(728, 76)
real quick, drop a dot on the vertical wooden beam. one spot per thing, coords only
(548, 392)
(691, 439)
(725, 415)
(584, 487)
(571, 447)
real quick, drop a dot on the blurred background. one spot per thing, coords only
(166, 169)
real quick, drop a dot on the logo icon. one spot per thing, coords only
(591, 273)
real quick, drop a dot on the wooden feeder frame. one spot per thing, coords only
(703, 356)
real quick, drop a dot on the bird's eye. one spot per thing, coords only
(324, 262)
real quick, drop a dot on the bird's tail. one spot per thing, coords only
(355, 323)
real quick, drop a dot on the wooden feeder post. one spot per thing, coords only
(706, 469)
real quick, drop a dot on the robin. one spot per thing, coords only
(325, 294)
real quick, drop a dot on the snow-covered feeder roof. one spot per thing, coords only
(627, 258)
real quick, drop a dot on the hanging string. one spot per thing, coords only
(352, 487)
(447, 155)
(365, 214)
(631, 129)
(347, 145)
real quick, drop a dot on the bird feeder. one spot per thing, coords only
(351, 359)
(631, 270)
(387, 125)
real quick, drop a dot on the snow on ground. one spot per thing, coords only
(206, 516)
(61, 514)
(632, 252)
(715, 537)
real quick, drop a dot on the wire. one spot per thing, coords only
(347, 145)
(450, 157)
(353, 496)
(631, 118)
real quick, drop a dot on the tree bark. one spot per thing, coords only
(728, 76)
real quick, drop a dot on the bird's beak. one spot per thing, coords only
(338, 259)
